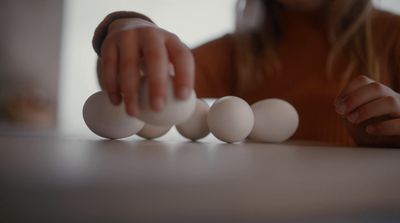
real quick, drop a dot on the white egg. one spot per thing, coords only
(230, 119)
(107, 120)
(196, 126)
(175, 111)
(275, 121)
(150, 131)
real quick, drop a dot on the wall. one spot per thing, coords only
(30, 43)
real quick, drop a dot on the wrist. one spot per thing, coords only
(102, 29)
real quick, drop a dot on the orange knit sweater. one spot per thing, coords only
(302, 79)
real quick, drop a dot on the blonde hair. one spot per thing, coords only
(258, 31)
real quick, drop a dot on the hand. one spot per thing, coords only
(366, 101)
(136, 46)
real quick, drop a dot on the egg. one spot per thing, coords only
(150, 131)
(196, 126)
(275, 121)
(109, 121)
(174, 112)
(230, 119)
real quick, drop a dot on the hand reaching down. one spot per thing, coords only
(134, 47)
(363, 99)
(372, 106)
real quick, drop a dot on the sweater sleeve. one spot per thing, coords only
(102, 29)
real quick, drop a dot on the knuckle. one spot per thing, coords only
(393, 104)
(126, 36)
(362, 79)
(148, 30)
(377, 87)
(182, 52)
(173, 37)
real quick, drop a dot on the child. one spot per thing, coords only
(311, 53)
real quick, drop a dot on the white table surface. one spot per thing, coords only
(58, 178)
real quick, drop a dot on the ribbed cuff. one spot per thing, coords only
(102, 30)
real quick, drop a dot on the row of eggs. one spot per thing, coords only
(230, 119)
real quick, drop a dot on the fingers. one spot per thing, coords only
(148, 49)
(364, 99)
(108, 70)
(156, 67)
(183, 62)
(361, 96)
(387, 105)
(388, 128)
(129, 75)
(352, 86)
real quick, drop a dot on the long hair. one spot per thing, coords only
(259, 29)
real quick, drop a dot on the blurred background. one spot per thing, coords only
(47, 64)
(30, 44)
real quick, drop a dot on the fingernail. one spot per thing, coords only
(353, 117)
(158, 104)
(341, 109)
(184, 93)
(371, 129)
